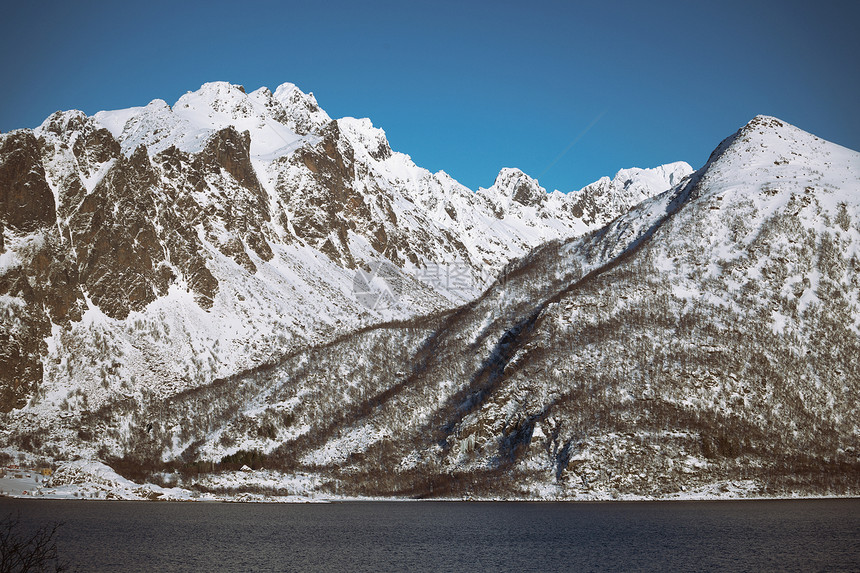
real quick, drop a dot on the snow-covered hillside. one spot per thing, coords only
(704, 341)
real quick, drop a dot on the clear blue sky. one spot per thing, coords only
(468, 87)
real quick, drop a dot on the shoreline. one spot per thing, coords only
(84, 480)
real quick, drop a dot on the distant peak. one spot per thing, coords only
(302, 108)
(61, 121)
(766, 121)
(221, 86)
(362, 132)
(765, 132)
(262, 91)
(514, 184)
(765, 125)
(286, 88)
(66, 116)
(290, 93)
(666, 175)
(511, 176)
(506, 173)
(214, 94)
(158, 104)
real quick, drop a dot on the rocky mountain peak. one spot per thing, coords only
(302, 109)
(514, 185)
(219, 96)
(601, 201)
(63, 121)
(766, 122)
(363, 135)
(766, 157)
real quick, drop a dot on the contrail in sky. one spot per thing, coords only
(572, 143)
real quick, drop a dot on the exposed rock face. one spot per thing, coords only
(239, 208)
(125, 229)
(180, 218)
(116, 244)
(26, 201)
(231, 151)
(41, 288)
(37, 279)
(325, 204)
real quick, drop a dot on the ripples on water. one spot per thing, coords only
(802, 535)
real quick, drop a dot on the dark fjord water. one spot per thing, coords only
(803, 535)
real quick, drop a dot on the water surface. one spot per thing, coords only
(797, 535)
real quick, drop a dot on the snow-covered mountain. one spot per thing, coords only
(157, 248)
(705, 341)
(237, 279)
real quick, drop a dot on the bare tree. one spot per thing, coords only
(29, 551)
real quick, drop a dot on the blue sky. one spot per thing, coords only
(566, 91)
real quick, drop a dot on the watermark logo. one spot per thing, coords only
(379, 287)
(452, 277)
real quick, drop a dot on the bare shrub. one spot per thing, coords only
(25, 551)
